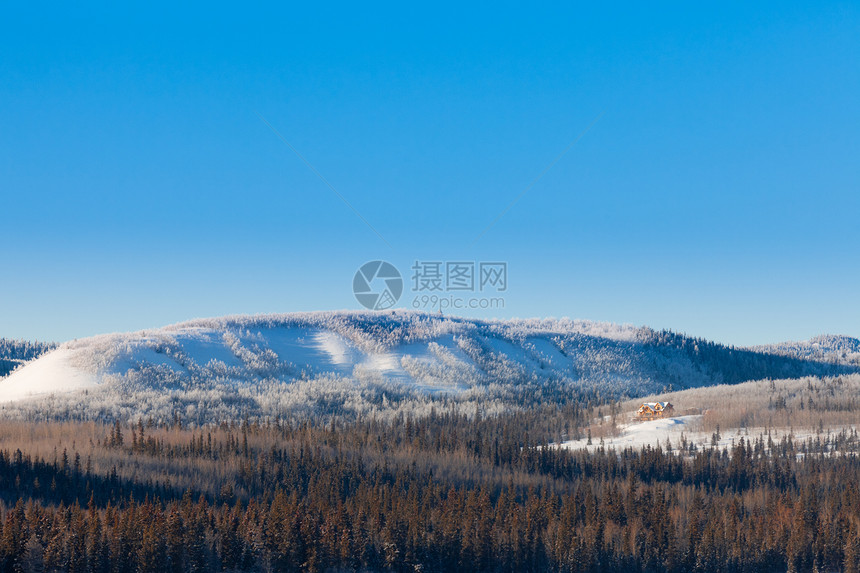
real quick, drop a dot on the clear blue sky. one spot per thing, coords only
(717, 195)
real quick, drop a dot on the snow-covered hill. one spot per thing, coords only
(368, 363)
(14, 353)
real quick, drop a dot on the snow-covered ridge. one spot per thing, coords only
(366, 361)
(403, 326)
(837, 349)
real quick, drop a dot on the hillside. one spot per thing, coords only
(14, 353)
(366, 363)
(802, 409)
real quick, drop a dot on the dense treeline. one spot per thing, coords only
(438, 494)
(23, 349)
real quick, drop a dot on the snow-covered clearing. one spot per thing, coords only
(671, 430)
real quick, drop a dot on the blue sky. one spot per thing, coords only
(717, 194)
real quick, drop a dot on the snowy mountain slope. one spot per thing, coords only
(369, 363)
(53, 372)
(14, 353)
(826, 348)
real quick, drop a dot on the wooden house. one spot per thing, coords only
(652, 410)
